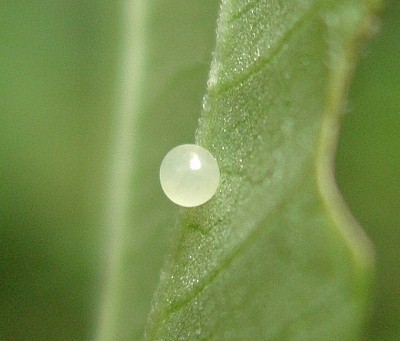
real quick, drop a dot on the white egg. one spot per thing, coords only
(189, 175)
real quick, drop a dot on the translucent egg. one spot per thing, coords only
(189, 175)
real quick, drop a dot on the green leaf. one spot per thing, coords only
(60, 111)
(275, 254)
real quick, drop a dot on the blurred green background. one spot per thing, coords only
(57, 77)
(368, 165)
(58, 71)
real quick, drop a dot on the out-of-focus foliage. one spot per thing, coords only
(61, 69)
(368, 165)
(59, 75)
(166, 57)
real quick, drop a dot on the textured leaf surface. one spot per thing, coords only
(275, 254)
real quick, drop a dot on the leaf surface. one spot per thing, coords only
(275, 254)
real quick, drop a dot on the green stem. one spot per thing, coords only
(122, 166)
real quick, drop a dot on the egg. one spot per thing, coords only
(189, 175)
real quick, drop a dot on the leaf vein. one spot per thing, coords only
(263, 61)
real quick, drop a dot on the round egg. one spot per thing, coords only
(189, 175)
